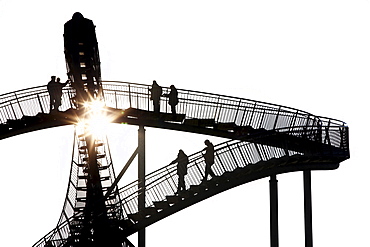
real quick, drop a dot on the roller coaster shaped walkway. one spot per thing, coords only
(264, 140)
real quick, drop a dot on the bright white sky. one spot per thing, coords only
(311, 55)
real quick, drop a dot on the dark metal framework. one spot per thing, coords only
(268, 139)
(200, 109)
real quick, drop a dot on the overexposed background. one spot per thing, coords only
(310, 55)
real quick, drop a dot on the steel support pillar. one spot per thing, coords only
(307, 208)
(274, 223)
(141, 179)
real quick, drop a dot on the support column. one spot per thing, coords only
(307, 208)
(141, 179)
(274, 223)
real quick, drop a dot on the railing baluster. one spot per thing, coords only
(11, 106)
(19, 105)
(237, 111)
(38, 98)
(129, 95)
(252, 114)
(276, 118)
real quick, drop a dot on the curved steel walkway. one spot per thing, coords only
(265, 139)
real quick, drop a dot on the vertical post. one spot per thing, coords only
(274, 224)
(141, 179)
(307, 208)
(20, 108)
(38, 98)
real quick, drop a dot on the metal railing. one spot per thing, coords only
(229, 156)
(220, 108)
(194, 104)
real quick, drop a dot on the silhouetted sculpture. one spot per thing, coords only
(82, 57)
(209, 158)
(173, 99)
(155, 95)
(55, 93)
(182, 169)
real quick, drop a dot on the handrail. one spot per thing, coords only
(329, 134)
(194, 104)
(228, 156)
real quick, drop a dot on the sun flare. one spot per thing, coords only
(96, 120)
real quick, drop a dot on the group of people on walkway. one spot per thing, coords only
(182, 161)
(156, 93)
(55, 92)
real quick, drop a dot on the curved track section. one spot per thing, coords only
(265, 139)
(236, 162)
(218, 115)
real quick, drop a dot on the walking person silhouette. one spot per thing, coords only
(182, 161)
(209, 158)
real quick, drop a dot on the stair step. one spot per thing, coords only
(15, 123)
(125, 223)
(4, 127)
(150, 211)
(103, 167)
(186, 193)
(228, 174)
(77, 220)
(105, 178)
(79, 209)
(173, 199)
(135, 217)
(84, 188)
(198, 188)
(100, 156)
(161, 204)
(81, 199)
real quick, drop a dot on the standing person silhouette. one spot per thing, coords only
(156, 92)
(182, 169)
(51, 87)
(58, 93)
(173, 99)
(209, 158)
